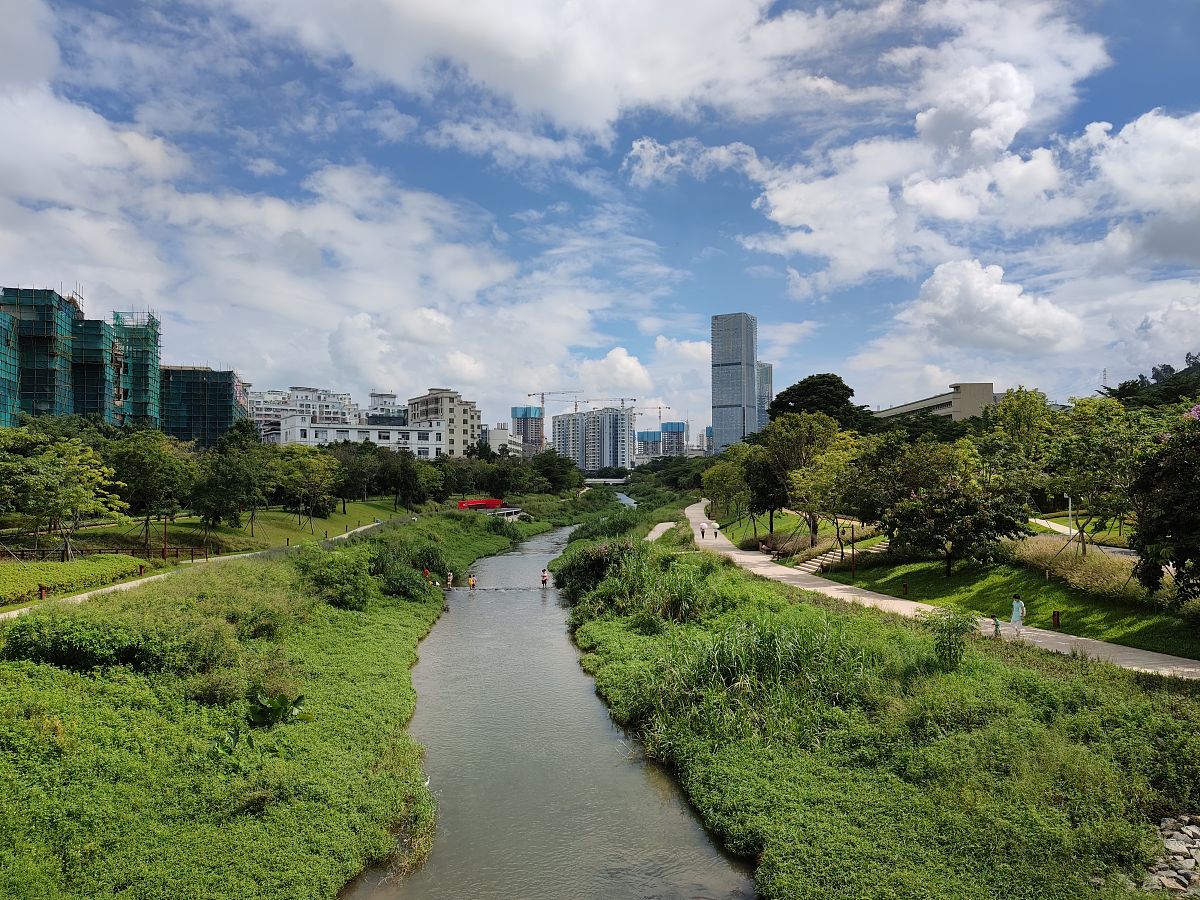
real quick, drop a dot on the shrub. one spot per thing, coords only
(340, 577)
(608, 525)
(496, 525)
(580, 569)
(86, 637)
(950, 628)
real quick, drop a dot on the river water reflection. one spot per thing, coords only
(539, 794)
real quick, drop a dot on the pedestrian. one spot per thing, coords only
(716, 531)
(425, 572)
(471, 581)
(449, 581)
(1018, 613)
(545, 577)
(703, 525)
(996, 626)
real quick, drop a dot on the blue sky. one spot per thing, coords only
(511, 197)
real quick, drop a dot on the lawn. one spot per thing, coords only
(272, 528)
(738, 530)
(989, 589)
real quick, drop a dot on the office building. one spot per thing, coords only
(764, 377)
(649, 443)
(597, 438)
(528, 423)
(464, 427)
(734, 378)
(708, 440)
(962, 401)
(200, 404)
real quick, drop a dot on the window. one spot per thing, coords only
(343, 435)
(363, 435)
(451, 442)
(438, 437)
(321, 434)
(423, 451)
(303, 433)
(422, 435)
(385, 435)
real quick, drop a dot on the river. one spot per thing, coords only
(539, 794)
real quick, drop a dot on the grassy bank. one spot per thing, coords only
(19, 582)
(236, 731)
(829, 744)
(1095, 595)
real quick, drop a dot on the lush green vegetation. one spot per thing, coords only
(988, 589)
(19, 582)
(853, 756)
(235, 731)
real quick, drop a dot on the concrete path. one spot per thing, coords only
(761, 565)
(659, 530)
(1070, 532)
(138, 582)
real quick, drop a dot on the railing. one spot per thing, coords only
(55, 554)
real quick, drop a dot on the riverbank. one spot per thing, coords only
(230, 732)
(830, 744)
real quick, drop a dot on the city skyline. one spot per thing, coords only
(908, 193)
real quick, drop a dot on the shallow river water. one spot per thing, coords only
(539, 794)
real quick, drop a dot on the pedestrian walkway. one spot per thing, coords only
(138, 582)
(659, 530)
(759, 564)
(1070, 532)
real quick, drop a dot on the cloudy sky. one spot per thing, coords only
(507, 196)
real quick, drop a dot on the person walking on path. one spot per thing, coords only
(1018, 613)
(716, 531)
(471, 581)
(450, 581)
(545, 577)
(703, 525)
(996, 627)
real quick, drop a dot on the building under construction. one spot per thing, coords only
(200, 404)
(9, 371)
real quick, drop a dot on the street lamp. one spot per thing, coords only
(1070, 514)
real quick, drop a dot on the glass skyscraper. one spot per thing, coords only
(765, 388)
(734, 378)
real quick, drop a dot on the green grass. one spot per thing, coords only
(989, 589)
(825, 742)
(742, 529)
(110, 777)
(19, 582)
(272, 528)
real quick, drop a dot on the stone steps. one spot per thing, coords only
(812, 566)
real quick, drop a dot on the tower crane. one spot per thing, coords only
(542, 395)
(660, 409)
(621, 400)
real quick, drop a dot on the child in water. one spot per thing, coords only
(545, 577)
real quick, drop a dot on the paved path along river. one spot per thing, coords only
(539, 794)
(759, 564)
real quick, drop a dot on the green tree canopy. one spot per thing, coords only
(825, 393)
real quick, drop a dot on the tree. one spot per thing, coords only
(825, 393)
(55, 483)
(823, 487)
(560, 473)
(307, 476)
(360, 467)
(792, 441)
(1167, 532)
(237, 474)
(725, 483)
(157, 472)
(1025, 418)
(956, 521)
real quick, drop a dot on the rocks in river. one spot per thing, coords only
(1178, 869)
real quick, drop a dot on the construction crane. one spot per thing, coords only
(621, 400)
(660, 412)
(542, 395)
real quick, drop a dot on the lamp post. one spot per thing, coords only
(1070, 515)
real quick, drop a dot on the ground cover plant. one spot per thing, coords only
(236, 731)
(1095, 595)
(19, 581)
(857, 755)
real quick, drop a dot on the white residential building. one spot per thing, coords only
(268, 409)
(425, 440)
(597, 438)
(464, 426)
(500, 437)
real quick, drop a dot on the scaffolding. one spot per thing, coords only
(200, 404)
(9, 371)
(95, 363)
(45, 322)
(139, 379)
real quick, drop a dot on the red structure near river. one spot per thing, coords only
(489, 503)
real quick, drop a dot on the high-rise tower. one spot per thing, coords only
(765, 389)
(734, 378)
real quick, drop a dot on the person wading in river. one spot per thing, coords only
(545, 577)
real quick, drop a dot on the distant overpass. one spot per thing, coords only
(609, 481)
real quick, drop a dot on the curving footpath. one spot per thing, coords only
(138, 582)
(758, 564)
(659, 530)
